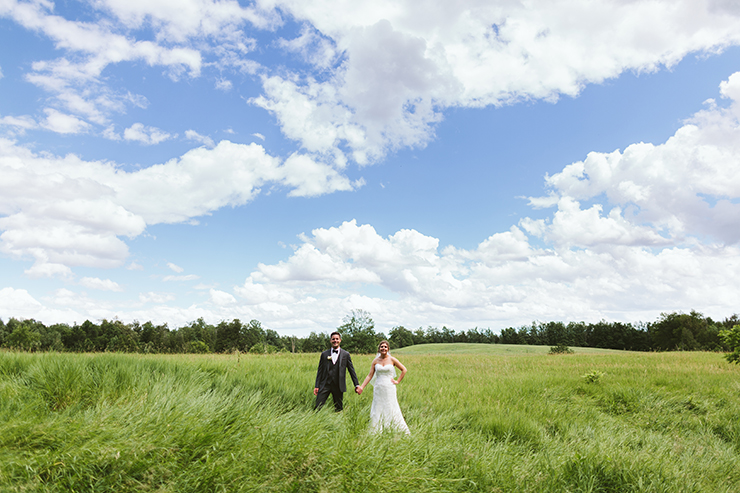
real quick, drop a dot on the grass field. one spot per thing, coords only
(493, 349)
(488, 418)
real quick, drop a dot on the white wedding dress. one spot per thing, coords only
(385, 412)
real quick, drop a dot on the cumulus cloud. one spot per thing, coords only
(634, 232)
(178, 21)
(686, 187)
(13, 301)
(19, 122)
(401, 66)
(100, 284)
(310, 178)
(506, 279)
(75, 81)
(63, 212)
(196, 137)
(153, 297)
(146, 135)
(312, 47)
(221, 298)
(62, 123)
(187, 277)
(224, 85)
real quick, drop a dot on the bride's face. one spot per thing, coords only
(383, 349)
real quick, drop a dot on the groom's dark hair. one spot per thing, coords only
(335, 332)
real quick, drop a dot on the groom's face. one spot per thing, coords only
(335, 340)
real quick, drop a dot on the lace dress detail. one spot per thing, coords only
(385, 412)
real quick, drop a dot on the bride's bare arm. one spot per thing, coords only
(400, 366)
(369, 375)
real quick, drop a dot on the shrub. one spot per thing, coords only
(731, 338)
(593, 376)
(560, 349)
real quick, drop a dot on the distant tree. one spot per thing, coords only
(577, 333)
(252, 334)
(358, 332)
(433, 335)
(196, 346)
(731, 338)
(53, 338)
(461, 336)
(400, 337)
(490, 337)
(509, 335)
(22, 336)
(229, 336)
(198, 331)
(683, 331)
(315, 343)
(420, 336)
(554, 334)
(273, 339)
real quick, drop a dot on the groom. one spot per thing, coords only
(331, 376)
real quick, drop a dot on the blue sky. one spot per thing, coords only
(482, 164)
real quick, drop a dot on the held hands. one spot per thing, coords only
(358, 389)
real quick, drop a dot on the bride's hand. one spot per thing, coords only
(394, 382)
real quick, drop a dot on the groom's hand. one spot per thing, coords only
(316, 391)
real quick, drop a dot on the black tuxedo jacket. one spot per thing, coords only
(335, 372)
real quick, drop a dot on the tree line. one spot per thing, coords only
(672, 331)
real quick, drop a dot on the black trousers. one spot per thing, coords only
(336, 394)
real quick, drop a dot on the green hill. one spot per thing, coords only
(493, 349)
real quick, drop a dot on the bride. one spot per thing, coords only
(385, 412)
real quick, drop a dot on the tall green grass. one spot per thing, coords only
(663, 422)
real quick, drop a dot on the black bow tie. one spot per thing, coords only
(335, 350)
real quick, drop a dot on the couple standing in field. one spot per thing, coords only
(331, 379)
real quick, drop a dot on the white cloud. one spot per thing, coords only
(505, 280)
(17, 303)
(313, 48)
(64, 211)
(146, 135)
(44, 268)
(159, 298)
(62, 123)
(310, 178)
(658, 233)
(75, 80)
(221, 298)
(100, 284)
(404, 62)
(224, 85)
(21, 122)
(187, 277)
(258, 135)
(176, 21)
(687, 186)
(175, 267)
(196, 137)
